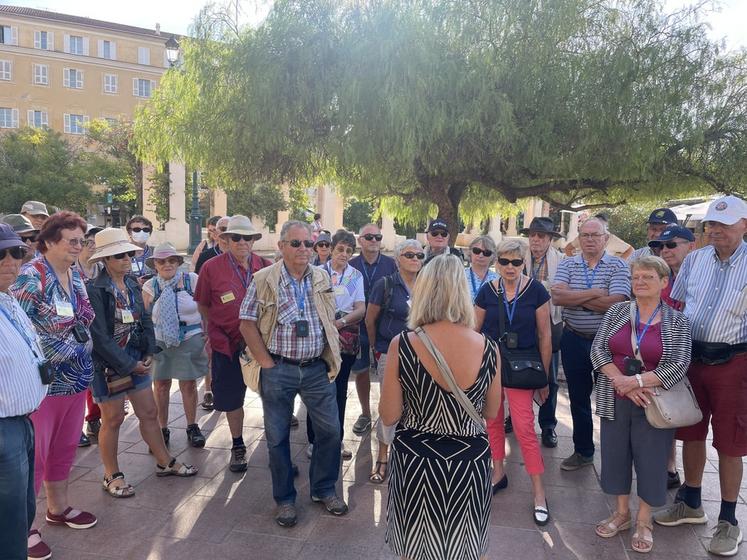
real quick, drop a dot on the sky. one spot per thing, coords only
(175, 16)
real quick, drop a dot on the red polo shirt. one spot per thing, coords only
(221, 286)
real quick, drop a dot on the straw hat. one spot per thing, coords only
(241, 225)
(163, 251)
(110, 242)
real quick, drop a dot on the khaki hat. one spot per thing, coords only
(19, 223)
(112, 241)
(34, 208)
(241, 225)
(163, 251)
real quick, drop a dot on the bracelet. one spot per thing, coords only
(639, 379)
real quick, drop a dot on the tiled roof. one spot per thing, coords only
(66, 18)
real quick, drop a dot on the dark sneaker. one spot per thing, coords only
(93, 427)
(362, 425)
(549, 438)
(238, 459)
(508, 425)
(333, 504)
(84, 441)
(207, 401)
(673, 480)
(726, 539)
(286, 515)
(575, 462)
(680, 513)
(194, 436)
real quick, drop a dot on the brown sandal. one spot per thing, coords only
(639, 542)
(611, 526)
(379, 474)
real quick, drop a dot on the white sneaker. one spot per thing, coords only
(310, 450)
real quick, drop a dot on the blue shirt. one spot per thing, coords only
(372, 273)
(524, 323)
(392, 318)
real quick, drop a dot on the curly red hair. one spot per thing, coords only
(51, 231)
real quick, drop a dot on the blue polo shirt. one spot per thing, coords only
(393, 317)
(372, 273)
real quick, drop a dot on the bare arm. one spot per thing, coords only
(494, 394)
(544, 334)
(602, 304)
(255, 344)
(479, 317)
(372, 314)
(390, 404)
(358, 312)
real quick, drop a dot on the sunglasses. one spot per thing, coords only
(120, 256)
(29, 239)
(168, 260)
(139, 229)
(235, 237)
(15, 252)
(478, 251)
(322, 244)
(440, 233)
(514, 262)
(373, 237)
(296, 243)
(668, 244)
(411, 255)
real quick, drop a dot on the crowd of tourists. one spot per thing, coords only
(95, 321)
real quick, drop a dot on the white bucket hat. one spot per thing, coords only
(241, 225)
(112, 241)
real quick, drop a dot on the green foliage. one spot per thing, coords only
(39, 164)
(356, 214)
(160, 192)
(628, 222)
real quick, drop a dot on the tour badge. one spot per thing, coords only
(228, 297)
(512, 340)
(64, 308)
(302, 328)
(127, 317)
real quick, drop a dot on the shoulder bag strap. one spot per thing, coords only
(634, 332)
(448, 376)
(501, 314)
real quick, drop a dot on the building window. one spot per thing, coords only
(8, 117)
(6, 70)
(8, 35)
(143, 55)
(75, 124)
(38, 119)
(108, 50)
(44, 40)
(142, 88)
(72, 78)
(110, 83)
(41, 74)
(76, 44)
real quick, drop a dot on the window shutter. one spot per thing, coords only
(50, 40)
(45, 118)
(67, 122)
(152, 87)
(14, 37)
(66, 77)
(113, 50)
(79, 81)
(85, 46)
(100, 52)
(30, 117)
(134, 87)
(67, 43)
(37, 39)
(14, 118)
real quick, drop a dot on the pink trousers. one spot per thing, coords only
(522, 417)
(57, 425)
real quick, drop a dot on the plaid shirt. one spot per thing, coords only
(284, 341)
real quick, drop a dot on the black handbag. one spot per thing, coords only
(521, 368)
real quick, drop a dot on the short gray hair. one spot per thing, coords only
(487, 243)
(518, 246)
(290, 224)
(651, 262)
(407, 243)
(367, 226)
(605, 227)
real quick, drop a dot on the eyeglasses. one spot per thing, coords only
(139, 229)
(15, 252)
(168, 260)
(668, 244)
(120, 256)
(29, 238)
(296, 243)
(514, 262)
(478, 251)
(373, 237)
(91, 243)
(75, 242)
(411, 255)
(440, 233)
(235, 237)
(223, 228)
(323, 244)
(593, 236)
(343, 249)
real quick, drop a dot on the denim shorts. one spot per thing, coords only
(362, 362)
(100, 391)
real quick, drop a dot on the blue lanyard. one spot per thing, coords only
(510, 312)
(535, 273)
(590, 283)
(140, 261)
(121, 297)
(329, 270)
(73, 296)
(243, 278)
(373, 274)
(300, 292)
(639, 336)
(21, 331)
(472, 276)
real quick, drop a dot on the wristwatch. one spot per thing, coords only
(639, 379)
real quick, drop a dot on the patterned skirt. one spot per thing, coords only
(439, 496)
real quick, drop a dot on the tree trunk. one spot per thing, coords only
(447, 198)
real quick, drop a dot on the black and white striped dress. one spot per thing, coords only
(439, 489)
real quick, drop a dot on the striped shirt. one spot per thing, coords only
(611, 274)
(21, 389)
(641, 252)
(715, 295)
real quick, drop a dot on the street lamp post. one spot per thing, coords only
(195, 216)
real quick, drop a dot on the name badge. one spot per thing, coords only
(64, 308)
(340, 291)
(127, 317)
(227, 297)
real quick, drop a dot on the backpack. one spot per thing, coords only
(388, 291)
(187, 287)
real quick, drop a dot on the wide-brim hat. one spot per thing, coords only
(35, 208)
(241, 225)
(19, 223)
(9, 238)
(541, 224)
(112, 241)
(163, 251)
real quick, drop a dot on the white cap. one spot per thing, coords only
(727, 210)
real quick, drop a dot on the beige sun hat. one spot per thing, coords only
(112, 241)
(241, 225)
(163, 251)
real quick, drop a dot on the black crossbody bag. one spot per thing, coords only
(521, 368)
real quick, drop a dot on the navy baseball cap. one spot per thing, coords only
(662, 216)
(9, 238)
(670, 234)
(437, 224)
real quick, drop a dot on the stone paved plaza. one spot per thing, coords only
(219, 515)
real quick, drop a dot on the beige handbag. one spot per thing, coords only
(673, 408)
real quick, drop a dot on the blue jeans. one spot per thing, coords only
(279, 386)
(575, 352)
(17, 500)
(546, 415)
(341, 386)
